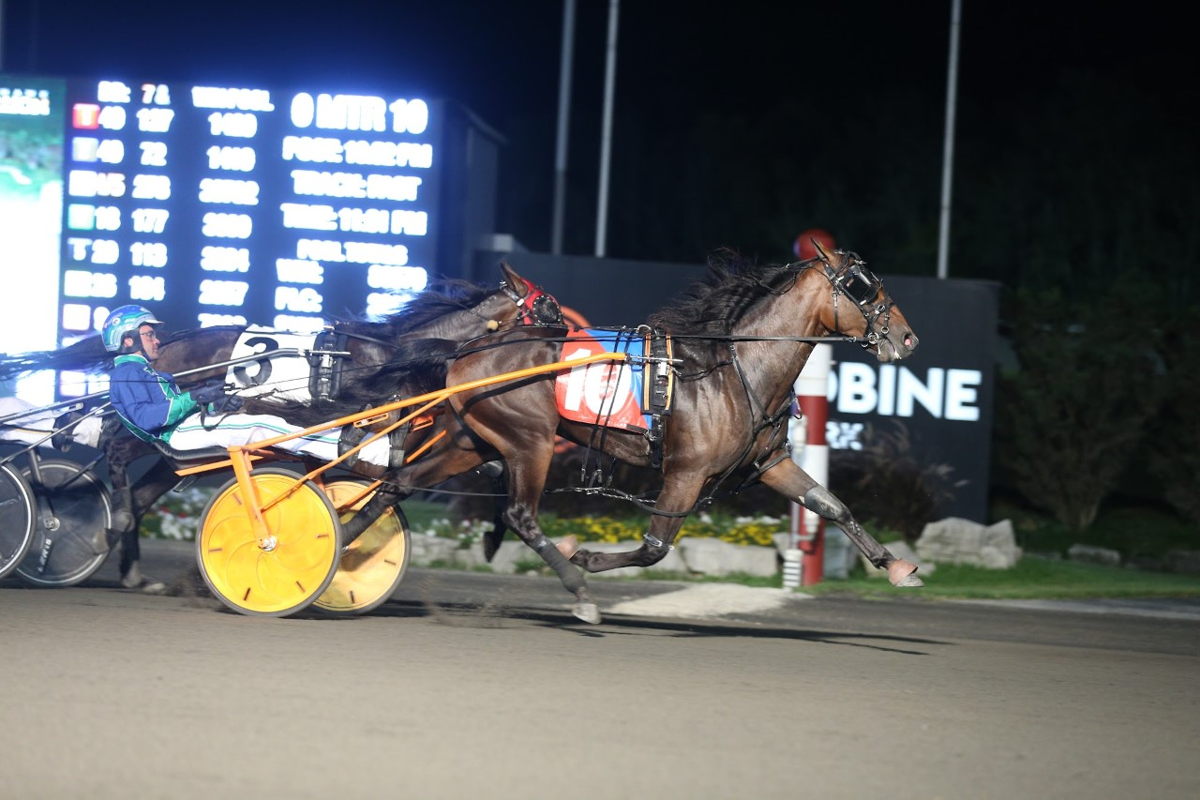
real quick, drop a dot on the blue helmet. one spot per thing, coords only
(123, 321)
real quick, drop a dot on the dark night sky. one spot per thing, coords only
(677, 59)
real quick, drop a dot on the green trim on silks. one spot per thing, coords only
(180, 404)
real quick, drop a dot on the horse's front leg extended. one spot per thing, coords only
(796, 484)
(678, 495)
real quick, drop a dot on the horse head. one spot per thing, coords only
(860, 306)
(533, 305)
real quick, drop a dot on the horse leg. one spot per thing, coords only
(677, 497)
(157, 481)
(526, 478)
(492, 539)
(387, 496)
(795, 484)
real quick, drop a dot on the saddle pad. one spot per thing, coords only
(282, 377)
(604, 393)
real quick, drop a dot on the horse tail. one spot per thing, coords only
(86, 355)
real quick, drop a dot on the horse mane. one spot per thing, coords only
(713, 304)
(419, 367)
(446, 297)
(86, 355)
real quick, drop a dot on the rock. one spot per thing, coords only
(714, 557)
(840, 552)
(959, 541)
(1185, 561)
(1087, 554)
(428, 550)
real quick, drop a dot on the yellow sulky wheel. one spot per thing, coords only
(278, 574)
(373, 565)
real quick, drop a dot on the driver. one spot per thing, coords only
(152, 407)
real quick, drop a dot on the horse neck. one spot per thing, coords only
(772, 366)
(462, 323)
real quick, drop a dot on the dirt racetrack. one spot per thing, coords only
(109, 694)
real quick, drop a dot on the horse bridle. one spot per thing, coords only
(537, 307)
(861, 286)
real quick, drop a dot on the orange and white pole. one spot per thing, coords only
(808, 529)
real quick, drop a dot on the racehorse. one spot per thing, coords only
(737, 351)
(389, 357)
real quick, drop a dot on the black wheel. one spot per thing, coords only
(73, 512)
(16, 518)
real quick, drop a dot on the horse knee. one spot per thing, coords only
(650, 554)
(825, 504)
(122, 520)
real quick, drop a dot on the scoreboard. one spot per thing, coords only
(211, 204)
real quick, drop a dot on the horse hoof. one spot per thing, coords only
(903, 574)
(568, 546)
(588, 612)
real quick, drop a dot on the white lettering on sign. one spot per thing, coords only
(329, 184)
(150, 220)
(148, 254)
(232, 123)
(896, 391)
(113, 92)
(147, 287)
(24, 102)
(230, 98)
(155, 120)
(225, 259)
(298, 324)
(82, 283)
(294, 270)
(393, 187)
(309, 217)
(157, 93)
(354, 252)
(389, 154)
(154, 154)
(222, 293)
(409, 116)
(303, 299)
(151, 187)
(227, 226)
(209, 320)
(89, 183)
(352, 112)
(228, 190)
(363, 220)
(317, 149)
(234, 159)
(399, 279)
(411, 223)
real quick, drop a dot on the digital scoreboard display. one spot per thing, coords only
(216, 204)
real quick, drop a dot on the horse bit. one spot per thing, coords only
(861, 286)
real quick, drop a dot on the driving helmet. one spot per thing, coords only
(123, 321)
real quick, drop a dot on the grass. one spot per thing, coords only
(1032, 578)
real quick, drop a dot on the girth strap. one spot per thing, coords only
(658, 388)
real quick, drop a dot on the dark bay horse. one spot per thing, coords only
(736, 357)
(378, 367)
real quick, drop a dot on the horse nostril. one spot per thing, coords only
(910, 341)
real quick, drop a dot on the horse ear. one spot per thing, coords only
(820, 251)
(514, 281)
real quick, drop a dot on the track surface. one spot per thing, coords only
(468, 685)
